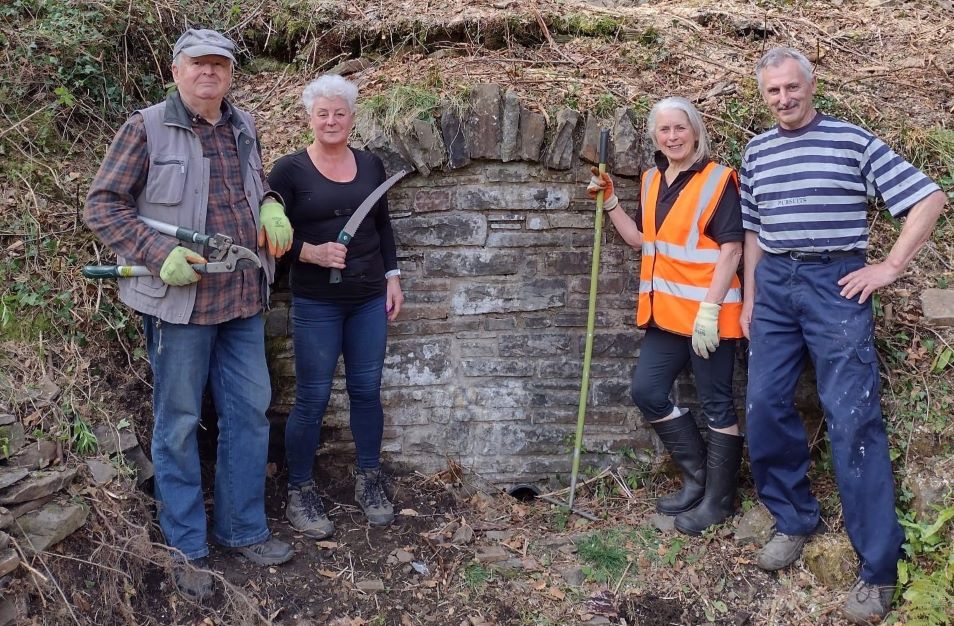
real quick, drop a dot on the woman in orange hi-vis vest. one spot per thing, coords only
(689, 228)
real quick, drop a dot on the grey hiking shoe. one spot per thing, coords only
(867, 603)
(370, 495)
(306, 513)
(272, 551)
(781, 551)
(193, 579)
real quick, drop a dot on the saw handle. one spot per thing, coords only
(335, 275)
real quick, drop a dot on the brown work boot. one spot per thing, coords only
(868, 604)
(370, 495)
(193, 579)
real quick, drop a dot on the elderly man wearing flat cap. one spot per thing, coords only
(194, 161)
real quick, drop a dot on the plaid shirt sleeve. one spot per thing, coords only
(111, 210)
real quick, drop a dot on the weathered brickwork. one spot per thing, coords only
(495, 238)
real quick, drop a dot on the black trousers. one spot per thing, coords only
(662, 356)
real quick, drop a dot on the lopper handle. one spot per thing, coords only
(180, 233)
(100, 272)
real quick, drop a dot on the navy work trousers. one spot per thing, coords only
(798, 309)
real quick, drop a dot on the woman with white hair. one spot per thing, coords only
(689, 228)
(323, 185)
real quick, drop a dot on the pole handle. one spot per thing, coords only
(604, 148)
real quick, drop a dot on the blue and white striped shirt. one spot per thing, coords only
(808, 189)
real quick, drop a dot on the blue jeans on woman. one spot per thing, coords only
(230, 358)
(323, 331)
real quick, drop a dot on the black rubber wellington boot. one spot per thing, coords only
(722, 480)
(684, 443)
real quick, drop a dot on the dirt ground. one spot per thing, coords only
(461, 553)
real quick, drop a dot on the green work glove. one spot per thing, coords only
(276, 229)
(705, 330)
(177, 269)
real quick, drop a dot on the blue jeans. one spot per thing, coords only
(322, 332)
(230, 357)
(799, 309)
(662, 357)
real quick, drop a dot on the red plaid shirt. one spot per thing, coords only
(122, 177)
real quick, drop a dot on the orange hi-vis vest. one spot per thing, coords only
(679, 260)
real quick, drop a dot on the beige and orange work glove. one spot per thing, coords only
(705, 330)
(605, 183)
(177, 269)
(276, 230)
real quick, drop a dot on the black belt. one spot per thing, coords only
(822, 257)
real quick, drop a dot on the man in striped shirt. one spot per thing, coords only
(805, 187)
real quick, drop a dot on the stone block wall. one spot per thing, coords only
(495, 239)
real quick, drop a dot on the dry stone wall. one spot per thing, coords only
(495, 239)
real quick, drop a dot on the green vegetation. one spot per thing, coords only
(605, 106)
(475, 576)
(927, 576)
(402, 104)
(578, 25)
(84, 441)
(604, 555)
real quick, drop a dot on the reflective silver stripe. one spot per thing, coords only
(680, 253)
(688, 292)
(649, 248)
(647, 184)
(709, 188)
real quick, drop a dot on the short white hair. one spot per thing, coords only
(329, 86)
(695, 121)
(777, 56)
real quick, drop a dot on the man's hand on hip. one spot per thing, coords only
(867, 280)
(276, 229)
(705, 330)
(177, 270)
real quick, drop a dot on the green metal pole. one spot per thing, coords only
(590, 322)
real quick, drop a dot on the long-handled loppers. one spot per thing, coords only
(225, 256)
(590, 320)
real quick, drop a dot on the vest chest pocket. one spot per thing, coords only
(166, 181)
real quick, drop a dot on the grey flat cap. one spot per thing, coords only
(197, 43)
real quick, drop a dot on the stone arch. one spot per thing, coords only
(495, 238)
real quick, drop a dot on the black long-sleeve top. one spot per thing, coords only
(318, 209)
